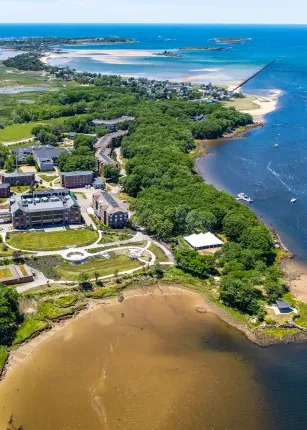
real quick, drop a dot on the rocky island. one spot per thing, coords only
(201, 48)
(46, 43)
(167, 54)
(231, 40)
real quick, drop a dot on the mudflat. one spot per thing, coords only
(153, 361)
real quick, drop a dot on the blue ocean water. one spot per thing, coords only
(271, 176)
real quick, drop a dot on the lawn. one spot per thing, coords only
(3, 356)
(20, 189)
(28, 328)
(5, 273)
(48, 178)
(160, 256)
(23, 131)
(246, 103)
(52, 240)
(104, 267)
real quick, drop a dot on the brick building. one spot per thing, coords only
(109, 210)
(18, 178)
(77, 179)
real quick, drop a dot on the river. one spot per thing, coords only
(154, 362)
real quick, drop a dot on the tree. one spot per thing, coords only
(112, 173)
(18, 257)
(10, 163)
(235, 223)
(199, 220)
(30, 160)
(260, 240)
(9, 314)
(4, 154)
(84, 282)
(239, 295)
(96, 275)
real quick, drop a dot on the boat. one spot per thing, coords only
(244, 197)
(276, 145)
(293, 200)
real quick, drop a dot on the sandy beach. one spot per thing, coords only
(265, 105)
(108, 56)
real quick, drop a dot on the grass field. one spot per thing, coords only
(5, 273)
(53, 240)
(16, 132)
(119, 263)
(160, 256)
(246, 103)
(20, 189)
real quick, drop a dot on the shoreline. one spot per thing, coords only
(20, 353)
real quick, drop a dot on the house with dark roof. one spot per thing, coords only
(40, 208)
(99, 184)
(44, 155)
(109, 210)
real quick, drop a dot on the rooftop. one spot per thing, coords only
(43, 201)
(17, 174)
(203, 240)
(113, 121)
(282, 305)
(78, 173)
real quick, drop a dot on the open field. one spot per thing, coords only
(246, 103)
(12, 78)
(15, 132)
(119, 263)
(53, 240)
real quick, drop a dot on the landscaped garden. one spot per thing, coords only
(48, 241)
(120, 263)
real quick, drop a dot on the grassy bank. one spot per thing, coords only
(3, 357)
(39, 241)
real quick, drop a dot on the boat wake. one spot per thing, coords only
(277, 176)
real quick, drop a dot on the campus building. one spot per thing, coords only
(111, 124)
(45, 156)
(45, 208)
(77, 179)
(5, 190)
(12, 274)
(109, 210)
(18, 178)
